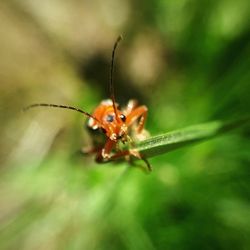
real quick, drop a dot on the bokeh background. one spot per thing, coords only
(187, 60)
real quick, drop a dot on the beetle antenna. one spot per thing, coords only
(60, 106)
(111, 84)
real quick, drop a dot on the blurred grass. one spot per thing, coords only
(188, 61)
(173, 140)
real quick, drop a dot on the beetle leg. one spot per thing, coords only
(132, 104)
(140, 112)
(131, 152)
(136, 154)
(104, 153)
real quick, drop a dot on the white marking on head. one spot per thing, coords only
(130, 105)
(91, 122)
(107, 102)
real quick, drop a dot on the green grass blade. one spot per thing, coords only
(164, 143)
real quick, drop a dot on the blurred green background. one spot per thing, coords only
(187, 60)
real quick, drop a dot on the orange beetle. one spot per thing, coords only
(116, 124)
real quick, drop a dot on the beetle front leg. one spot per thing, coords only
(140, 112)
(129, 153)
(132, 104)
(104, 153)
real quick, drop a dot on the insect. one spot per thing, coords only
(115, 124)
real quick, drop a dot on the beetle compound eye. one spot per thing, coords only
(110, 118)
(123, 117)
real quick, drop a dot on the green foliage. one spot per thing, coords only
(177, 139)
(188, 61)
